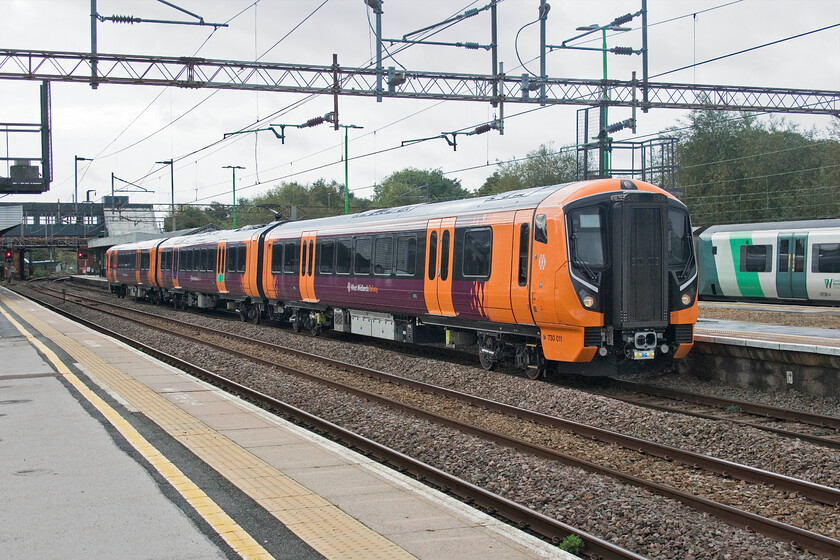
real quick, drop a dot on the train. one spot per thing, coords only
(791, 262)
(588, 278)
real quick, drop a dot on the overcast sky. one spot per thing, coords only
(126, 129)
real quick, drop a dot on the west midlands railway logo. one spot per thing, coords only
(362, 288)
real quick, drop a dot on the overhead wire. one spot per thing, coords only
(309, 97)
(511, 116)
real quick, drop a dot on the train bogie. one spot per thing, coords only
(592, 276)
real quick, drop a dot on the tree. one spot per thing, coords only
(187, 216)
(739, 170)
(317, 200)
(411, 186)
(543, 166)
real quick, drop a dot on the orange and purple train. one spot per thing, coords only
(592, 277)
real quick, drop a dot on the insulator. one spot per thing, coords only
(544, 9)
(473, 46)
(622, 50)
(623, 19)
(482, 129)
(313, 122)
(125, 19)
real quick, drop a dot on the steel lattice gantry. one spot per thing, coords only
(190, 72)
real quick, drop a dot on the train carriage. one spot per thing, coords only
(591, 277)
(775, 261)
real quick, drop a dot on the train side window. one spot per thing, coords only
(241, 256)
(144, 260)
(231, 259)
(756, 258)
(432, 255)
(277, 258)
(540, 229)
(326, 257)
(406, 255)
(478, 250)
(799, 255)
(290, 258)
(343, 255)
(205, 258)
(523, 253)
(361, 256)
(826, 257)
(444, 255)
(383, 256)
(784, 255)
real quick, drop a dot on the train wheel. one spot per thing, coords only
(255, 314)
(487, 353)
(536, 367)
(535, 371)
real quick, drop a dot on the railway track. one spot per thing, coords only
(535, 428)
(813, 428)
(796, 424)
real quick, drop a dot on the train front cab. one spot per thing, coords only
(615, 284)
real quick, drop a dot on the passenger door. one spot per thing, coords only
(221, 255)
(307, 266)
(520, 271)
(437, 285)
(790, 278)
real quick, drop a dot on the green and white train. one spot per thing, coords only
(779, 261)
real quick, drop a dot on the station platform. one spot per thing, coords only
(766, 335)
(108, 453)
(766, 356)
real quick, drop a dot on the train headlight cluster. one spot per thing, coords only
(686, 299)
(588, 301)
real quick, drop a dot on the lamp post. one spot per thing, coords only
(76, 161)
(233, 169)
(171, 165)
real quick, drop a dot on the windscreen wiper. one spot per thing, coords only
(581, 263)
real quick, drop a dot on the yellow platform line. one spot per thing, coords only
(323, 526)
(227, 528)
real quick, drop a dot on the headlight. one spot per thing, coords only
(686, 298)
(588, 301)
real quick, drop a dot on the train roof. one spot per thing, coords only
(771, 226)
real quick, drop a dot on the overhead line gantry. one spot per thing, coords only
(205, 73)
